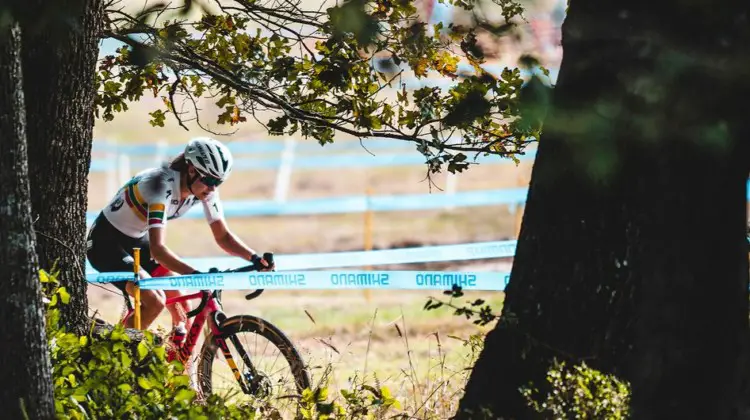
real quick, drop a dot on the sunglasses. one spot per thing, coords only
(210, 181)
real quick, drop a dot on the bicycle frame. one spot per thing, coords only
(210, 309)
(210, 306)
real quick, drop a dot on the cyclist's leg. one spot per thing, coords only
(179, 310)
(108, 250)
(152, 303)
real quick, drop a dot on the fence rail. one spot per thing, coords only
(361, 203)
(120, 161)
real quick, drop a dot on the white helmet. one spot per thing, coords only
(210, 157)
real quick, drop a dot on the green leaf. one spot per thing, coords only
(157, 118)
(321, 394)
(308, 396)
(125, 359)
(142, 351)
(43, 276)
(186, 395)
(160, 352)
(144, 383)
(181, 380)
(375, 123)
(100, 352)
(64, 295)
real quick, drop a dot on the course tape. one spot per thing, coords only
(411, 280)
(254, 146)
(310, 162)
(435, 253)
(361, 203)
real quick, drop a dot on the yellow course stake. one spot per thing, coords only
(136, 270)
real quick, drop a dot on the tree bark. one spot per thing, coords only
(60, 50)
(25, 366)
(632, 255)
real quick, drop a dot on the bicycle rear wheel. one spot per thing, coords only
(274, 380)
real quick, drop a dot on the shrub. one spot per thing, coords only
(109, 376)
(361, 402)
(580, 392)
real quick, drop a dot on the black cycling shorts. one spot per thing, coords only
(109, 250)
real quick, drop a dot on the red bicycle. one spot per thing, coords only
(241, 368)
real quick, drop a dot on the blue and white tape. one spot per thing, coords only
(436, 253)
(329, 161)
(411, 280)
(360, 203)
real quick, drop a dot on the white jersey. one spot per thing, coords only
(151, 198)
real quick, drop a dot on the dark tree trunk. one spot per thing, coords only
(24, 359)
(59, 56)
(632, 255)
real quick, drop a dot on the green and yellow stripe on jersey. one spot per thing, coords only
(156, 214)
(135, 201)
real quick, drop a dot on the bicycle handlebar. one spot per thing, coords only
(268, 256)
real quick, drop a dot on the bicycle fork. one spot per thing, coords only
(250, 382)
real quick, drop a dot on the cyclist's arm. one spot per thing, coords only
(163, 255)
(229, 242)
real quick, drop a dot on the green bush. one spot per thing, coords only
(580, 392)
(361, 402)
(110, 377)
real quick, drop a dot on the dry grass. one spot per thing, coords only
(382, 337)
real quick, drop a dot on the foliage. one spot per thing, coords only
(362, 402)
(580, 392)
(112, 377)
(477, 308)
(318, 72)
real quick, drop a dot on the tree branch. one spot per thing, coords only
(182, 55)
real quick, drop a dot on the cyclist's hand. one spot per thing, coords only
(263, 263)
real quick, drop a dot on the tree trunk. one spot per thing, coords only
(59, 57)
(632, 253)
(25, 366)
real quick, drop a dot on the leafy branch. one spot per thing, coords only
(477, 308)
(244, 60)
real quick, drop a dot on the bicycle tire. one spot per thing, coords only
(251, 324)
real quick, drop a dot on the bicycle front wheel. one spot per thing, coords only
(263, 368)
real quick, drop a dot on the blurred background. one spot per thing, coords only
(386, 332)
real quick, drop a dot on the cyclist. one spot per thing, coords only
(137, 217)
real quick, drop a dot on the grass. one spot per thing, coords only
(386, 337)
